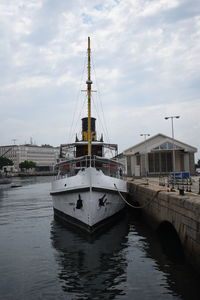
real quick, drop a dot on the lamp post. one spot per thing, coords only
(173, 149)
(14, 140)
(145, 137)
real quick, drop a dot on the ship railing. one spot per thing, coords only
(71, 167)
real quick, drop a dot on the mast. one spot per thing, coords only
(89, 83)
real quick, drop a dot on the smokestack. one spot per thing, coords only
(85, 129)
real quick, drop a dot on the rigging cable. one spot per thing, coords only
(98, 114)
(102, 120)
(101, 106)
(142, 206)
(79, 115)
(77, 101)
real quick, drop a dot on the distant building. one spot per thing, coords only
(155, 155)
(8, 169)
(44, 156)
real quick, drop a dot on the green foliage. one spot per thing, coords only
(47, 146)
(4, 161)
(27, 164)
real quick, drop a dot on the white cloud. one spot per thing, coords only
(146, 56)
(31, 82)
(156, 6)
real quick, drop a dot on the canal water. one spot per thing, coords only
(41, 259)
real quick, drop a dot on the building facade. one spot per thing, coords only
(155, 157)
(45, 157)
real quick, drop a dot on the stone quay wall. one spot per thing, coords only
(182, 212)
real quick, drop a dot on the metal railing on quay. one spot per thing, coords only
(181, 184)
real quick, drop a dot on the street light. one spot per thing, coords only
(145, 137)
(14, 140)
(173, 149)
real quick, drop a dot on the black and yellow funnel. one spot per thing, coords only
(85, 129)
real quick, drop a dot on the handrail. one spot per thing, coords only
(86, 157)
(71, 167)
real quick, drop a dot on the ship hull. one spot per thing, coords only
(88, 200)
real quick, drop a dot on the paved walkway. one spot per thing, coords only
(155, 181)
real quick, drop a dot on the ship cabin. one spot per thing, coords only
(74, 156)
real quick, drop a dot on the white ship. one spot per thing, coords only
(89, 189)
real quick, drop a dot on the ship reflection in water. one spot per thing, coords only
(90, 266)
(125, 262)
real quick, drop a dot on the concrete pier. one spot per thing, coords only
(178, 212)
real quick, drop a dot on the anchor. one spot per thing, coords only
(102, 201)
(79, 203)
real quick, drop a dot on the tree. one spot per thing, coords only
(4, 161)
(47, 146)
(27, 164)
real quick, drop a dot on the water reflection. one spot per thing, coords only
(124, 263)
(181, 280)
(88, 267)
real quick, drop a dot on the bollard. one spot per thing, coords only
(181, 192)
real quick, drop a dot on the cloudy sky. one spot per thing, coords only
(146, 58)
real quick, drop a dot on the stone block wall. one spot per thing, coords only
(183, 212)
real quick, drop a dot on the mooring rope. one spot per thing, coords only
(139, 207)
